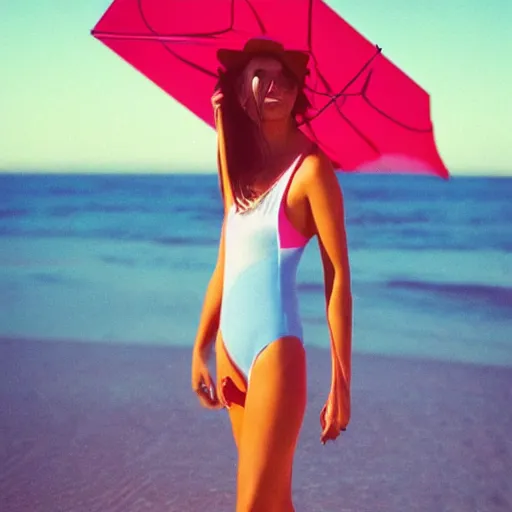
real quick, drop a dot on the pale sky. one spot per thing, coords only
(68, 103)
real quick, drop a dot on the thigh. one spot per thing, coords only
(226, 368)
(274, 410)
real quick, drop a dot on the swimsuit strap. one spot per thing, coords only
(288, 175)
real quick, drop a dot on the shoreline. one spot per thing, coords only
(313, 349)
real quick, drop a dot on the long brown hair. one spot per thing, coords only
(246, 149)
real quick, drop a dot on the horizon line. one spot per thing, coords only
(140, 171)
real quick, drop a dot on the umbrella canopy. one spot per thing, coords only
(367, 114)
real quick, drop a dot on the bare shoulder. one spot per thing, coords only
(318, 174)
(325, 200)
(318, 163)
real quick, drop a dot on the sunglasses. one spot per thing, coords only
(282, 80)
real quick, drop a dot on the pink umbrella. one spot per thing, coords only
(367, 114)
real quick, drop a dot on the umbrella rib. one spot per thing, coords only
(150, 37)
(328, 87)
(257, 16)
(191, 34)
(342, 92)
(159, 37)
(363, 94)
(324, 81)
(172, 52)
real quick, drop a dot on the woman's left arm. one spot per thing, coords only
(326, 202)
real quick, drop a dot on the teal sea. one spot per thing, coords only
(126, 259)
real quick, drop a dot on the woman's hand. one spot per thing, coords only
(217, 100)
(335, 414)
(230, 394)
(202, 382)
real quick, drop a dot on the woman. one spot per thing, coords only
(279, 191)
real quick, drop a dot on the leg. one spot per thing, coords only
(274, 410)
(226, 368)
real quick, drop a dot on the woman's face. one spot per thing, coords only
(268, 87)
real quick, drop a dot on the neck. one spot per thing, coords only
(278, 134)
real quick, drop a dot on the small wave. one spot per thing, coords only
(117, 260)
(371, 218)
(116, 208)
(68, 210)
(314, 320)
(183, 241)
(207, 214)
(9, 213)
(310, 287)
(495, 295)
(68, 191)
(64, 211)
(52, 279)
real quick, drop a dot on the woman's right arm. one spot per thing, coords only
(210, 314)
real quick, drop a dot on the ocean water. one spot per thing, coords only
(127, 258)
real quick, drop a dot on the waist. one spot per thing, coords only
(252, 310)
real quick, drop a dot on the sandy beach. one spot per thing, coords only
(95, 427)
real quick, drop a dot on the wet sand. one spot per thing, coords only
(95, 427)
